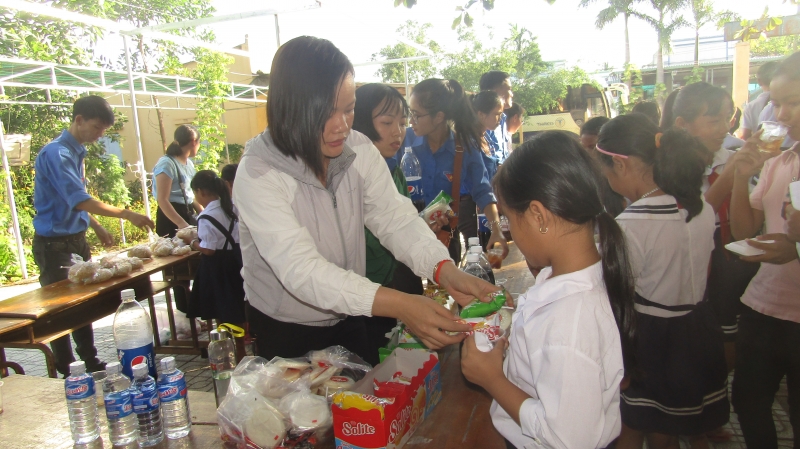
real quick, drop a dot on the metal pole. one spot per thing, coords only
(277, 31)
(23, 263)
(122, 230)
(405, 69)
(142, 171)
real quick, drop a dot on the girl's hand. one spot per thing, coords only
(780, 252)
(482, 368)
(749, 160)
(437, 225)
(464, 288)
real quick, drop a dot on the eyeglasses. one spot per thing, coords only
(414, 117)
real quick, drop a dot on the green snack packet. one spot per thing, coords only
(480, 309)
(440, 206)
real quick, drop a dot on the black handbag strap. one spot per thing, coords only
(228, 233)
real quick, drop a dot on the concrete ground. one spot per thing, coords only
(198, 374)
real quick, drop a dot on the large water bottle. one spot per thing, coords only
(413, 174)
(123, 427)
(81, 404)
(133, 335)
(146, 405)
(474, 267)
(483, 261)
(172, 392)
(222, 357)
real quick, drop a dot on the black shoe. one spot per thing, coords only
(95, 365)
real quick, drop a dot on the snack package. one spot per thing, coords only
(141, 251)
(187, 233)
(181, 250)
(101, 275)
(307, 411)
(136, 263)
(81, 272)
(439, 207)
(478, 308)
(162, 247)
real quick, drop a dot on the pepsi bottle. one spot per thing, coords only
(133, 335)
(413, 174)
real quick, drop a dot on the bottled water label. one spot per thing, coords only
(173, 389)
(128, 358)
(146, 399)
(79, 388)
(414, 187)
(118, 405)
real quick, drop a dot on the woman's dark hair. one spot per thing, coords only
(486, 101)
(93, 107)
(515, 109)
(698, 99)
(789, 67)
(303, 86)
(650, 109)
(209, 181)
(677, 165)
(667, 119)
(228, 172)
(369, 97)
(183, 135)
(592, 126)
(447, 96)
(492, 79)
(555, 170)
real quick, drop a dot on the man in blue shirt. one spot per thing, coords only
(500, 83)
(62, 214)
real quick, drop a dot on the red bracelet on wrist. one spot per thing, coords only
(438, 270)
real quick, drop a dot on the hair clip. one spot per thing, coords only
(597, 147)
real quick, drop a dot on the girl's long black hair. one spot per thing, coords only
(675, 156)
(209, 181)
(447, 96)
(555, 170)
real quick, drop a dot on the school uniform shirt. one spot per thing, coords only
(166, 165)
(59, 186)
(502, 138)
(669, 257)
(775, 290)
(565, 353)
(210, 237)
(732, 142)
(752, 111)
(437, 170)
(715, 170)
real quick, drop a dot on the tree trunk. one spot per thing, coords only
(660, 64)
(154, 100)
(627, 41)
(696, 47)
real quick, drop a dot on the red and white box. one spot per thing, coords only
(362, 420)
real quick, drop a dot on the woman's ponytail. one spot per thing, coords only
(620, 284)
(678, 169)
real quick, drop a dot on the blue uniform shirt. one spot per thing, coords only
(59, 186)
(501, 137)
(437, 170)
(492, 161)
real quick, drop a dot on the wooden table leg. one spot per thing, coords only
(171, 315)
(156, 338)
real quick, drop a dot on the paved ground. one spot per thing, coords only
(198, 374)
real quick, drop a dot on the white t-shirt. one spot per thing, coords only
(211, 237)
(753, 110)
(670, 257)
(565, 353)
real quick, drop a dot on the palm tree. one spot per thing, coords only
(665, 23)
(703, 13)
(609, 14)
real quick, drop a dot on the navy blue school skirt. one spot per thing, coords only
(681, 383)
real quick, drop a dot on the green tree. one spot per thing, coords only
(775, 46)
(666, 21)
(609, 14)
(475, 59)
(211, 73)
(417, 70)
(545, 91)
(703, 13)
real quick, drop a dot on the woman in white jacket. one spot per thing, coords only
(305, 189)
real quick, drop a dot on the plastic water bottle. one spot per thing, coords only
(483, 261)
(172, 392)
(133, 335)
(81, 404)
(146, 405)
(222, 357)
(123, 427)
(413, 173)
(474, 267)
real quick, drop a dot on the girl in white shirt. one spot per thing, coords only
(559, 384)
(218, 291)
(669, 228)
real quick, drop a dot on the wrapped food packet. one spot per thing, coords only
(136, 263)
(101, 275)
(181, 250)
(439, 207)
(478, 308)
(187, 233)
(140, 251)
(307, 411)
(81, 272)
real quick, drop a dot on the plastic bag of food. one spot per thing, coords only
(439, 207)
(188, 233)
(181, 250)
(478, 308)
(81, 272)
(163, 248)
(101, 275)
(306, 411)
(250, 420)
(141, 251)
(334, 369)
(136, 263)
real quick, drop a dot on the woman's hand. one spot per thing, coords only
(780, 252)
(749, 160)
(437, 225)
(427, 320)
(464, 288)
(482, 368)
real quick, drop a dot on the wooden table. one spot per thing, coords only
(58, 309)
(35, 416)
(7, 326)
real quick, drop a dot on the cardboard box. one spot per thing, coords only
(376, 424)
